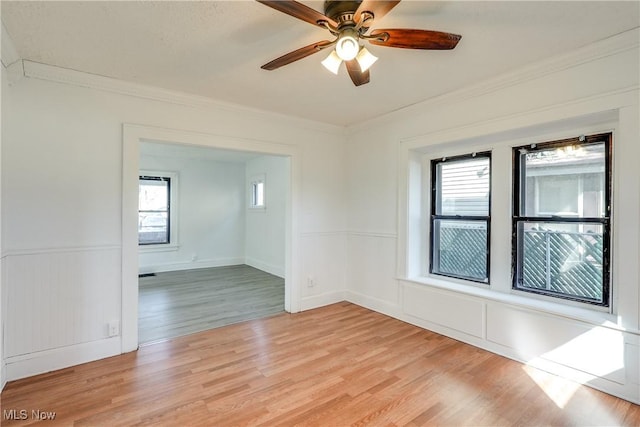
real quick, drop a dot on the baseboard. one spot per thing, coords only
(188, 265)
(374, 304)
(315, 301)
(276, 270)
(3, 375)
(27, 365)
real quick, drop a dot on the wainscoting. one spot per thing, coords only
(58, 300)
(178, 303)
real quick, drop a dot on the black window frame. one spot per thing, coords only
(434, 216)
(168, 211)
(519, 214)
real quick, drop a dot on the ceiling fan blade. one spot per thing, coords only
(298, 10)
(297, 54)
(377, 7)
(415, 39)
(358, 77)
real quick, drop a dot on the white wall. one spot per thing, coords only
(3, 86)
(210, 212)
(62, 169)
(593, 88)
(10, 66)
(265, 228)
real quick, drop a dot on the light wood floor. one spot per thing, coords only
(339, 365)
(178, 303)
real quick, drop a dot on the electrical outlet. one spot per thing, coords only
(114, 328)
(310, 282)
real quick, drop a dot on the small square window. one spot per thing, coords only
(257, 192)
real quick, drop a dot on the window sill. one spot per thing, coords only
(592, 316)
(164, 247)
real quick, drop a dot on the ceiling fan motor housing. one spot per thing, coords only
(341, 11)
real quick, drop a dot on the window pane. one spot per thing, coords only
(153, 211)
(153, 195)
(565, 181)
(257, 194)
(463, 187)
(561, 258)
(460, 248)
(153, 227)
(260, 194)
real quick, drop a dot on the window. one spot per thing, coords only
(561, 218)
(256, 191)
(154, 200)
(460, 216)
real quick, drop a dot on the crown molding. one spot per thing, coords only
(68, 76)
(610, 46)
(8, 51)
(613, 45)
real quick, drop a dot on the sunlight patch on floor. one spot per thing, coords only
(559, 390)
(597, 353)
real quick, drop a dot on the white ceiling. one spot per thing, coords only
(215, 48)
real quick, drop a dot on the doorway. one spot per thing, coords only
(211, 238)
(133, 138)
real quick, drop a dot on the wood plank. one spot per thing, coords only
(182, 302)
(338, 365)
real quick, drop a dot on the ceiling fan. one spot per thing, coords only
(349, 22)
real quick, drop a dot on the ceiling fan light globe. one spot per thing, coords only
(332, 62)
(347, 47)
(365, 59)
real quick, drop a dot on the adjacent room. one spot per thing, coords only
(320, 213)
(211, 251)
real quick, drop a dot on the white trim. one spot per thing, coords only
(321, 300)
(189, 265)
(129, 292)
(132, 136)
(50, 360)
(8, 49)
(554, 308)
(613, 45)
(375, 304)
(600, 108)
(158, 247)
(57, 250)
(276, 270)
(324, 233)
(201, 139)
(14, 72)
(52, 73)
(381, 234)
